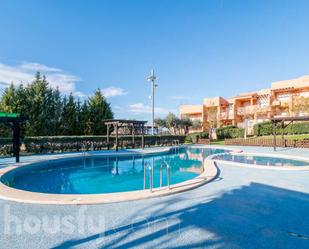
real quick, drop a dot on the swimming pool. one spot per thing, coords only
(260, 160)
(107, 174)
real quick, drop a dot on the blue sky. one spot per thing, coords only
(197, 48)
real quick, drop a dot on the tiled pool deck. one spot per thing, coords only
(242, 208)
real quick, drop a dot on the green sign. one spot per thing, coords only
(9, 115)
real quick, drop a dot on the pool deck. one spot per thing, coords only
(242, 208)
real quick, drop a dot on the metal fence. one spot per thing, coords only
(268, 142)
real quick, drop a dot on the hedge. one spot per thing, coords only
(50, 144)
(266, 128)
(6, 146)
(193, 137)
(230, 132)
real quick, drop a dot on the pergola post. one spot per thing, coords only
(274, 130)
(143, 137)
(283, 121)
(116, 128)
(107, 136)
(282, 132)
(128, 126)
(133, 136)
(16, 141)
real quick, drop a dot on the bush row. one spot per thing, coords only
(195, 136)
(230, 132)
(266, 128)
(50, 144)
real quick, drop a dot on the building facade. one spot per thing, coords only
(284, 98)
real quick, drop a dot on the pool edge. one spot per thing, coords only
(12, 194)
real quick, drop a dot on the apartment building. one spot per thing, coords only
(247, 109)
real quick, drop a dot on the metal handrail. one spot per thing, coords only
(168, 171)
(150, 168)
(83, 149)
(176, 142)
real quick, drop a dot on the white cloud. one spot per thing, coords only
(113, 92)
(140, 108)
(79, 94)
(25, 72)
(39, 67)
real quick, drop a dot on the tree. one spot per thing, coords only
(39, 107)
(160, 123)
(196, 124)
(184, 124)
(69, 118)
(171, 122)
(99, 110)
(50, 113)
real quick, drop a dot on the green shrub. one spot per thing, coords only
(50, 144)
(6, 146)
(266, 128)
(5, 140)
(194, 137)
(230, 132)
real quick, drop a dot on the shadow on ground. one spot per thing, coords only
(253, 216)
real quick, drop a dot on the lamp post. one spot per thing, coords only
(152, 78)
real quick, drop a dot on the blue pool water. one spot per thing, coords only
(106, 174)
(261, 160)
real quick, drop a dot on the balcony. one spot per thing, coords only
(196, 119)
(251, 110)
(276, 103)
(227, 115)
(248, 110)
(263, 109)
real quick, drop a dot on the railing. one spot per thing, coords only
(83, 149)
(226, 115)
(176, 142)
(203, 141)
(168, 171)
(150, 168)
(268, 142)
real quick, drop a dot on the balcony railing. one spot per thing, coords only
(227, 115)
(246, 110)
(251, 110)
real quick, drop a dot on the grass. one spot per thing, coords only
(217, 142)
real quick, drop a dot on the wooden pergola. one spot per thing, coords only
(148, 129)
(133, 125)
(12, 120)
(282, 122)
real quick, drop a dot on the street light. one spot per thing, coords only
(152, 78)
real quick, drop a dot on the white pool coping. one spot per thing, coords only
(12, 194)
(209, 174)
(260, 166)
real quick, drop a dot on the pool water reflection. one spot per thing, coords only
(107, 174)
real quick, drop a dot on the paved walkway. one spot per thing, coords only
(243, 208)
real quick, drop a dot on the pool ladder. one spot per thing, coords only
(84, 149)
(148, 166)
(176, 143)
